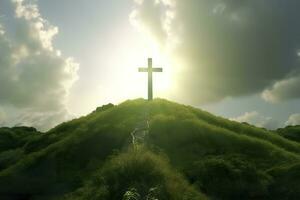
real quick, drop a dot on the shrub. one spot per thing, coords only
(231, 178)
(141, 170)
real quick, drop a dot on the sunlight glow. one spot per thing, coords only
(130, 53)
(113, 68)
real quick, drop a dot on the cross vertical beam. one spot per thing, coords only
(150, 70)
(150, 82)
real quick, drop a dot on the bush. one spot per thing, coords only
(290, 132)
(286, 183)
(231, 178)
(141, 170)
(10, 157)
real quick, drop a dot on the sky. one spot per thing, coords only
(60, 59)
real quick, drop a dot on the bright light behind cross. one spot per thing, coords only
(129, 53)
(112, 69)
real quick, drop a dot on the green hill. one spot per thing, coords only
(179, 153)
(290, 132)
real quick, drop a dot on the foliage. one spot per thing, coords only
(134, 174)
(12, 138)
(286, 183)
(290, 132)
(230, 178)
(188, 154)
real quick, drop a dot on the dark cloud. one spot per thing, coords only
(230, 48)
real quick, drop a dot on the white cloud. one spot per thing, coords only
(28, 11)
(283, 90)
(293, 120)
(34, 76)
(257, 119)
(154, 18)
(1, 30)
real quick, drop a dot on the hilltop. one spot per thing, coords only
(187, 153)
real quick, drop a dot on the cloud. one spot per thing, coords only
(2, 117)
(225, 47)
(293, 120)
(153, 18)
(41, 120)
(283, 90)
(258, 120)
(34, 76)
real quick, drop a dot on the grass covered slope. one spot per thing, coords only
(290, 132)
(188, 154)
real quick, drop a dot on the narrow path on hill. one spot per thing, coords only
(138, 137)
(141, 130)
(139, 133)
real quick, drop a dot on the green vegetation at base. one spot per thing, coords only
(290, 132)
(188, 154)
(138, 169)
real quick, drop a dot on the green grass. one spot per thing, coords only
(290, 132)
(139, 169)
(189, 154)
